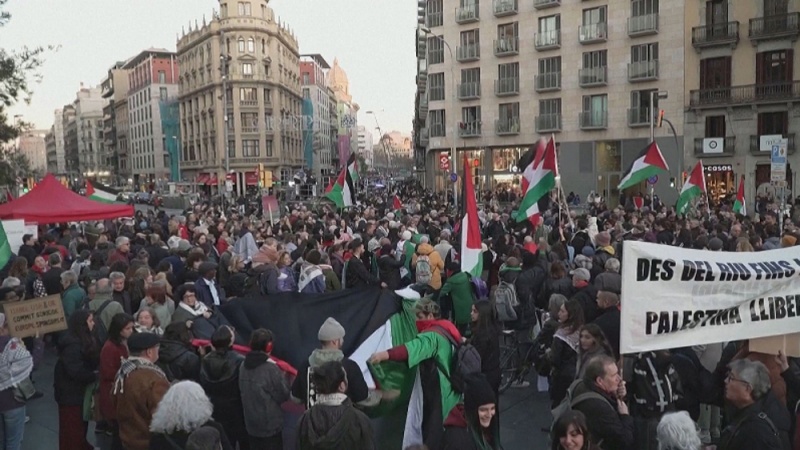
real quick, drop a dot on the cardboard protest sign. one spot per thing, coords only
(675, 297)
(41, 315)
(788, 343)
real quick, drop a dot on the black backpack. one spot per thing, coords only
(99, 327)
(466, 361)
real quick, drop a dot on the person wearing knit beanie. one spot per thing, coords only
(475, 424)
(331, 330)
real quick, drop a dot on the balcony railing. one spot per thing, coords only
(469, 91)
(548, 82)
(547, 123)
(593, 76)
(716, 34)
(506, 46)
(437, 130)
(470, 52)
(542, 4)
(755, 144)
(728, 147)
(504, 7)
(248, 102)
(643, 25)
(506, 127)
(506, 86)
(249, 129)
(643, 71)
(752, 93)
(638, 117)
(593, 120)
(470, 129)
(423, 106)
(775, 27)
(548, 40)
(423, 137)
(467, 14)
(595, 32)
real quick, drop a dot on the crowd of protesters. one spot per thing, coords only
(132, 290)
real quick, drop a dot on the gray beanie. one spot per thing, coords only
(331, 330)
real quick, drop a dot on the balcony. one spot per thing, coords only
(781, 26)
(643, 25)
(434, 19)
(249, 129)
(728, 148)
(715, 35)
(746, 94)
(469, 129)
(503, 8)
(593, 76)
(543, 4)
(467, 14)
(592, 33)
(642, 71)
(423, 106)
(638, 117)
(248, 103)
(468, 53)
(506, 46)
(548, 82)
(469, 91)
(507, 127)
(548, 123)
(593, 120)
(755, 145)
(506, 86)
(423, 137)
(548, 40)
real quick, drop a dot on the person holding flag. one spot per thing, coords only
(739, 205)
(695, 187)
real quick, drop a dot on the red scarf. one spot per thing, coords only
(426, 325)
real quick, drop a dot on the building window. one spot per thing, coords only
(231, 149)
(715, 126)
(306, 93)
(268, 148)
(470, 38)
(715, 73)
(251, 45)
(551, 106)
(248, 94)
(435, 13)
(162, 93)
(244, 9)
(774, 67)
(470, 83)
(549, 28)
(250, 148)
(595, 109)
(508, 32)
(471, 120)
(435, 50)
(773, 123)
(640, 112)
(549, 73)
(247, 69)
(436, 86)
(241, 45)
(716, 12)
(264, 46)
(509, 116)
(644, 52)
(508, 71)
(249, 120)
(162, 77)
(644, 7)
(436, 120)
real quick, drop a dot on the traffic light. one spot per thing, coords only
(660, 118)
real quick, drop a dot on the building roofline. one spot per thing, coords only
(319, 59)
(133, 62)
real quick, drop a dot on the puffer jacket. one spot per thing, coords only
(263, 388)
(437, 264)
(178, 361)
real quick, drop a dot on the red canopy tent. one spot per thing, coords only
(51, 202)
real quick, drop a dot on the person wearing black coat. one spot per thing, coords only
(176, 356)
(486, 340)
(529, 284)
(586, 294)
(357, 273)
(219, 376)
(609, 318)
(473, 425)
(27, 250)
(389, 268)
(76, 368)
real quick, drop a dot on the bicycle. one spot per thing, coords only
(515, 355)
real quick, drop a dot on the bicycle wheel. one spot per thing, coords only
(508, 366)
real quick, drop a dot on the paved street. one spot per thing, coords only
(523, 413)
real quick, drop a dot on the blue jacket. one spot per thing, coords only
(204, 292)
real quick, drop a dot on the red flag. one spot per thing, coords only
(638, 202)
(396, 203)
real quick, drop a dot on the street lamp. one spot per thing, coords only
(661, 95)
(427, 31)
(177, 155)
(383, 142)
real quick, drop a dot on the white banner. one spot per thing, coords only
(675, 297)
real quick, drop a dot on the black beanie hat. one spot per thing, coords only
(478, 392)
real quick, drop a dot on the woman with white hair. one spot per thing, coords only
(677, 431)
(183, 409)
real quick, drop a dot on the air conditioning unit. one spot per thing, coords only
(713, 145)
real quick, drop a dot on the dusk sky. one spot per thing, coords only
(373, 39)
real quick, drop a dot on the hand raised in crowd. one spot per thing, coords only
(782, 361)
(378, 357)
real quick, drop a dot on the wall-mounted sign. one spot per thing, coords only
(715, 168)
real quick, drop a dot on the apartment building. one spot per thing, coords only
(365, 146)
(744, 94)
(31, 143)
(240, 93)
(498, 75)
(54, 144)
(318, 147)
(115, 122)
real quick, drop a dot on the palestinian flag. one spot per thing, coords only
(538, 179)
(471, 258)
(739, 206)
(397, 205)
(695, 187)
(650, 162)
(342, 191)
(101, 193)
(5, 248)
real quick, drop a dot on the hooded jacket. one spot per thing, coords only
(334, 423)
(357, 389)
(219, 376)
(436, 261)
(263, 388)
(460, 290)
(178, 360)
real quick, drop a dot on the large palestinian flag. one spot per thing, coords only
(100, 193)
(342, 192)
(538, 179)
(471, 258)
(739, 206)
(695, 187)
(650, 162)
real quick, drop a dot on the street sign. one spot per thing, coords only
(652, 180)
(444, 162)
(453, 177)
(778, 161)
(229, 185)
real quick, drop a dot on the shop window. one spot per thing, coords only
(720, 181)
(609, 157)
(503, 159)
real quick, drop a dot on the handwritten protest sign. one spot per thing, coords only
(675, 297)
(41, 315)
